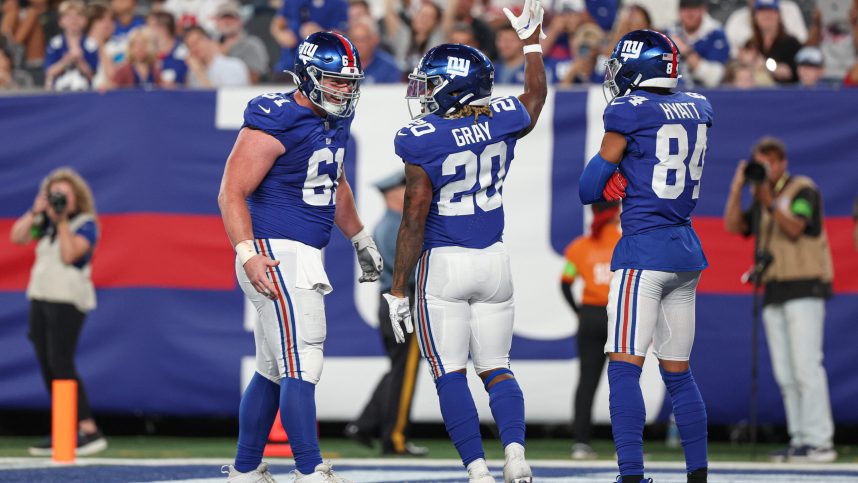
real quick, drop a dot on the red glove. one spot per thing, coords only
(615, 188)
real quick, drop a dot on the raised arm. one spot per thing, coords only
(528, 26)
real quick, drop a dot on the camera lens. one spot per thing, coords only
(755, 173)
(58, 201)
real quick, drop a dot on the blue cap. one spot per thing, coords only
(391, 181)
(761, 4)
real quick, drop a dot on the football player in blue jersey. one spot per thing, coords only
(457, 153)
(652, 156)
(283, 188)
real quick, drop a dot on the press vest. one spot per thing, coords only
(51, 280)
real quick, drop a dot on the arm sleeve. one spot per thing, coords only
(805, 205)
(89, 231)
(566, 288)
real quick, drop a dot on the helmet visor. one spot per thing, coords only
(421, 103)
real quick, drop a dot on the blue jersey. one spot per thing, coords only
(663, 164)
(466, 163)
(296, 199)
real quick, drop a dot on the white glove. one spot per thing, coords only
(400, 311)
(368, 256)
(530, 19)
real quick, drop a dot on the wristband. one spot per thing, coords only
(245, 251)
(360, 236)
(532, 48)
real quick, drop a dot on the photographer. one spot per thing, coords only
(63, 222)
(795, 263)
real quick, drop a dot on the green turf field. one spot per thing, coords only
(173, 447)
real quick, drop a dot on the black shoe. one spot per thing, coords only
(354, 433)
(87, 444)
(411, 449)
(44, 448)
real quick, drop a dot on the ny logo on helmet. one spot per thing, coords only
(458, 66)
(631, 49)
(306, 51)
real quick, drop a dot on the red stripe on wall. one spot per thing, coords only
(731, 255)
(141, 250)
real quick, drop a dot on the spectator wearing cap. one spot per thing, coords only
(702, 43)
(832, 30)
(460, 12)
(209, 68)
(379, 67)
(774, 44)
(810, 67)
(738, 26)
(388, 411)
(172, 53)
(235, 42)
(296, 19)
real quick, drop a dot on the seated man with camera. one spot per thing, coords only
(794, 263)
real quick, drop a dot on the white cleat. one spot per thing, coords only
(515, 468)
(321, 474)
(478, 472)
(259, 475)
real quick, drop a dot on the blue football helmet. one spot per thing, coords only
(323, 56)
(449, 77)
(643, 58)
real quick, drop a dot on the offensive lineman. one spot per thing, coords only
(283, 188)
(658, 138)
(457, 153)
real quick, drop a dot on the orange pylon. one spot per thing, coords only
(278, 442)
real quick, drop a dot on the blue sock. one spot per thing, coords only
(690, 414)
(507, 403)
(255, 416)
(628, 415)
(298, 413)
(460, 416)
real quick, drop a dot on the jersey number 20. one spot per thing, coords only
(676, 161)
(447, 206)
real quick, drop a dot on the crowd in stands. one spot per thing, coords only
(73, 45)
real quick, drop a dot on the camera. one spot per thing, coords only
(755, 172)
(58, 202)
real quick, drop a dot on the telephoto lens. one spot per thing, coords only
(755, 172)
(58, 202)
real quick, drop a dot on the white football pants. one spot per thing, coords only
(464, 305)
(289, 331)
(650, 306)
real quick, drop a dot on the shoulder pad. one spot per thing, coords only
(269, 112)
(620, 114)
(407, 142)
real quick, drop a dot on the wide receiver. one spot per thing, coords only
(457, 153)
(283, 188)
(658, 139)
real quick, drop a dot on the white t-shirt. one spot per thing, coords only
(222, 72)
